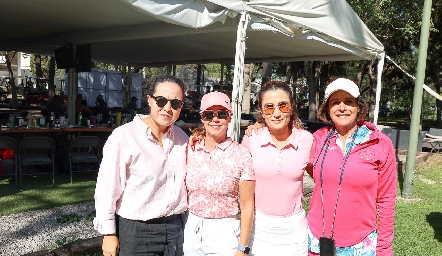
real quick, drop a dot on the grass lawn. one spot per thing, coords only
(404, 123)
(418, 227)
(418, 223)
(38, 192)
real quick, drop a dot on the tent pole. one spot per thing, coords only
(221, 81)
(380, 67)
(417, 101)
(238, 77)
(129, 84)
(72, 90)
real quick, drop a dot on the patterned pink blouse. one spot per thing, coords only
(212, 178)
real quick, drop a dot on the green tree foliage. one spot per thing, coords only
(396, 23)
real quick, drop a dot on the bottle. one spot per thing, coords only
(11, 121)
(34, 121)
(28, 120)
(110, 122)
(80, 118)
(118, 118)
(51, 119)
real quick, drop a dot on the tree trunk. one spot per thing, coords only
(323, 81)
(38, 71)
(313, 74)
(288, 72)
(288, 77)
(198, 74)
(169, 70)
(308, 69)
(248, 69)
(371, 100)
(267, 70)
(438, 102)
(51, 78)
(9, 57)
(360, 73)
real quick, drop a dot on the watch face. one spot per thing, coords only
(246, 250)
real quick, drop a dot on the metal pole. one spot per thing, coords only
(221, 81)
(417, 101)
(72, 95)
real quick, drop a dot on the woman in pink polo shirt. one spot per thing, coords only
(218, 173)
(280, 153)
(354, 168)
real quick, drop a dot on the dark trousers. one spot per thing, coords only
(157, 237)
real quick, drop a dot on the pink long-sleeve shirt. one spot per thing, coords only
(279, 173)
(138, 179)
(368, 191)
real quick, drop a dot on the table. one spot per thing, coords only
(25, 130)
(10, 110)
(185, 126)
(435, 142)
(87, 129)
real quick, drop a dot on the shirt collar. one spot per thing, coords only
(138, 119)
(266, 139)
(223, 145)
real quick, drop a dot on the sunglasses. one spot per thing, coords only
(283, 106)
(209, 115)
(162, 101)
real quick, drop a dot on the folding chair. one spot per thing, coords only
(35, 151)
(84, 149)
(9, 143)
(434, 138)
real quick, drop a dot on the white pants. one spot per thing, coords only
(279, 235)
(204, 236)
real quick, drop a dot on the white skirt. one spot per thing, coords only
(279, 235)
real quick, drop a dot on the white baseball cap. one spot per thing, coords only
(343, 84)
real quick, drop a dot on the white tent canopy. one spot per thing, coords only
(159, 32)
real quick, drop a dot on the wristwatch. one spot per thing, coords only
(244, 249)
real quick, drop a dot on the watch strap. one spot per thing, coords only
(244, 249)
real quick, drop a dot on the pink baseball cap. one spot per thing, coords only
(215, 99)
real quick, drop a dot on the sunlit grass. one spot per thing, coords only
(38, 192)
(418, 222)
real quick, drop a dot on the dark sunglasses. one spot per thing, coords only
(162, 101)
(220, 114)
(283, 106)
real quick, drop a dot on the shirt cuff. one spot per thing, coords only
(105, 227)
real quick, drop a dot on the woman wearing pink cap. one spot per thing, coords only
(219, 172)
(280, 153)
(354, 168)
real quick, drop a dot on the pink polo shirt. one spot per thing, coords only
(138, 179)
(213, 176)
(279, 173)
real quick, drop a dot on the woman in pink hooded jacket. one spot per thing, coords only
(354, 168)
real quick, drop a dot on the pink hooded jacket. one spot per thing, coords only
(368, 190)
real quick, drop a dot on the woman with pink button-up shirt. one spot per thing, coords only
(218, 172)
(140, 192)
(280, 153)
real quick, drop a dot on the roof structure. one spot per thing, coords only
(160, 32)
